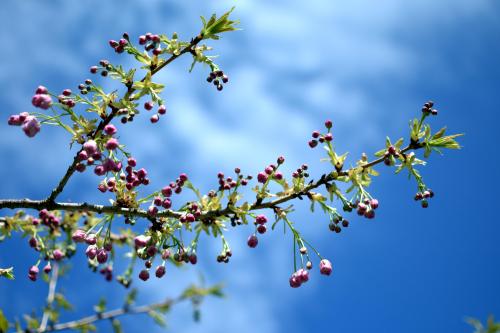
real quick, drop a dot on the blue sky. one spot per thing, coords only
(366, 65)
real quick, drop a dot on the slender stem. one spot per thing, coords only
(74, 324)
(50, 297)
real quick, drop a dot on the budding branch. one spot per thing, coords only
(137, 212)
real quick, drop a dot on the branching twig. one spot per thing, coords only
(111, 315)
(136, 212)
(72, 168)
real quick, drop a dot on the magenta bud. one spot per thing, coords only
(154, 118)
(144, 275)
(162, 109)
(261, 229)
(90, 147)
(325, 267)
(148, 105)
(91, 239)
(328, 124)
(47, 268)
(41, 90)
(78, 236)
(252, 241)
(160, 271)
(110, 129)
(141, 240)
(58, 255)
(260, 219)
(112, 144)
(261, 177)
(31, 126)
(102, 256)
(374, 203)
(91, 251)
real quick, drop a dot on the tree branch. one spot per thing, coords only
(74, 324)
(72, 168)
(137, 212)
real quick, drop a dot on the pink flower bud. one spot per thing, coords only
(41, 90)
(261, 177)
(33, 270)
(325, 267)
(112, 144)
(252, 241)
(102, 256)
(47, 268)
(31, 126)
(91, 239)
(58, 255)
(260, 219)
(15, 120)
(90, 147)
(144, 275)
(141, 240)
(374, 203)
(78, 236)
(91, 251)
(110, 129)
(160, 271)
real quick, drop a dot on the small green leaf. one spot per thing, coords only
(7, 273)
(4, 324)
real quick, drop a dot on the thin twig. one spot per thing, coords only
(50, 297)
(74, 324)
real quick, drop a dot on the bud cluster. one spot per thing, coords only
(318, 137)
(29, 124)
(424, 197)
(217, 78)
(427, 109)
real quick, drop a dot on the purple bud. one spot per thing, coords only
(112, 144)
(252, 241)
(374, 203)
(33, 270)
(325, 267)
(141, 241)
(261, 177)
(90, 147)
(110, 129)
(144, 275)
(91, 251)
(328, 124)
(91, 239)
(102, 256)
(260, 219)
(162, 109)
(31, 126)
(78, 236)
(160, 271)
(58, 255)
(41, 90)
(47, 268)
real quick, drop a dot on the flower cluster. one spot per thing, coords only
(318, 137)
(367, 208)
(217, 78)
(29, 124)
(41, 99)
(427, 108)
(424, 197)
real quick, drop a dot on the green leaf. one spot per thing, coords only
(117, 326)
(448, 142)
(101, 306)
(131, 296)
(158, 318)
(62, 302)
(7, 273)
(215, 25)
(4, 324)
